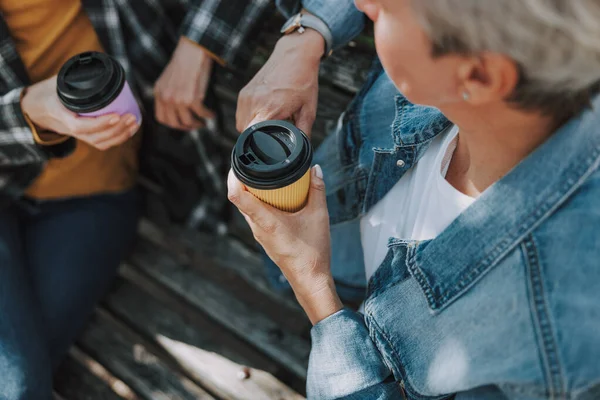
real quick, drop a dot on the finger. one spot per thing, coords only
(171, 117)
(159, 111)
(265, 116)
(202, 112)
(86, 125)
(258, 212)
(305, 119)
(116, 140)
(241, 112)
(186, 119)
(122, 126)
(124, 130)
(317, 197)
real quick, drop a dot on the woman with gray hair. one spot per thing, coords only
(475, 217)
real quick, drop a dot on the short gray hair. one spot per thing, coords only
(555, 43)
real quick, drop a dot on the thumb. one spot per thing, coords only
(260, 117)
(317, 197)
(305, 119)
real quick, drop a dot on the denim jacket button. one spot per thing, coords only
(400, 163)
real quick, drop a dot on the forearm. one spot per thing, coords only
(222, 27)
(318, 298)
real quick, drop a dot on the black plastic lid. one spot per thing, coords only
(271, 155)
(90, 81)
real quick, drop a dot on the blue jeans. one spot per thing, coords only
(57, 258)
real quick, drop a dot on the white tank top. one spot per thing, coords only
(419, 207)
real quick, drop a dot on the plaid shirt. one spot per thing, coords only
(141, 34)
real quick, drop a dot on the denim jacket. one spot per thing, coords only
(503, 304)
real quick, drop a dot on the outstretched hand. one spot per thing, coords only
(287, 86)
(180, 91)
(44, 109)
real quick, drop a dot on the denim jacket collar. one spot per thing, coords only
(416, 124)
(507, 211)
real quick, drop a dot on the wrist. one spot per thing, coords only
(318, 299)
(310, 44)
(28, 108)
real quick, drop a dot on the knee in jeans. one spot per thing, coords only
(25, 377)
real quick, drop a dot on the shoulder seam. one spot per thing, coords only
(540, 314)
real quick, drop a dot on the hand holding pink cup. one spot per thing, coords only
(93, 84)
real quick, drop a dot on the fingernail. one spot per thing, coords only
(318, 171)
(113, 120)
(130, 120)
(133, 130)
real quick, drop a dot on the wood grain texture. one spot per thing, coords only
(80, 377)
(127, 356)
(288, 349)
(190, 341)
(233, 265)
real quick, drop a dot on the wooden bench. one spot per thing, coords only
(191, 315)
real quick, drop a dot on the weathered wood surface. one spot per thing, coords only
(83, 378)
(287, 348)
(130, 357)
(189, 340)
(225, 260)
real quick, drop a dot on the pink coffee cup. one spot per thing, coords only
(93, 84)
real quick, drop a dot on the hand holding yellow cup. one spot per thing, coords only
(273, 159)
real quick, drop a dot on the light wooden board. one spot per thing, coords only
(127, 356)
(288, 349)
(206, 352)
(234, 266)
(80, 377)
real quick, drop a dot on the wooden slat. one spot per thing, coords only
(80, 377)
(226, 260)
(57, 396)
(126, 355)
(249, 323)
(207, 353)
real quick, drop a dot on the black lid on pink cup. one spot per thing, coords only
(89, 82)
(271, 155)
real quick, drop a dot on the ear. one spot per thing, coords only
(489, 77)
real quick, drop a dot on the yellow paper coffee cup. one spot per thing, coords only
(272, 159)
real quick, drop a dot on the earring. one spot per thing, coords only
(465, 95)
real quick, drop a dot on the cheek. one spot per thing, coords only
(406, 59)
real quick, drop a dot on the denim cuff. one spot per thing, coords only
(344, 20)
(344, 361)
(341, 16)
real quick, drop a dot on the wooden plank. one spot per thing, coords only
(288, 349)
(125, 354)
(211, 356)
(57, 396)
(80, 377)
(226, 260)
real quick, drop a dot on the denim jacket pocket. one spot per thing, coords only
(387, 169)
(393, 269)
